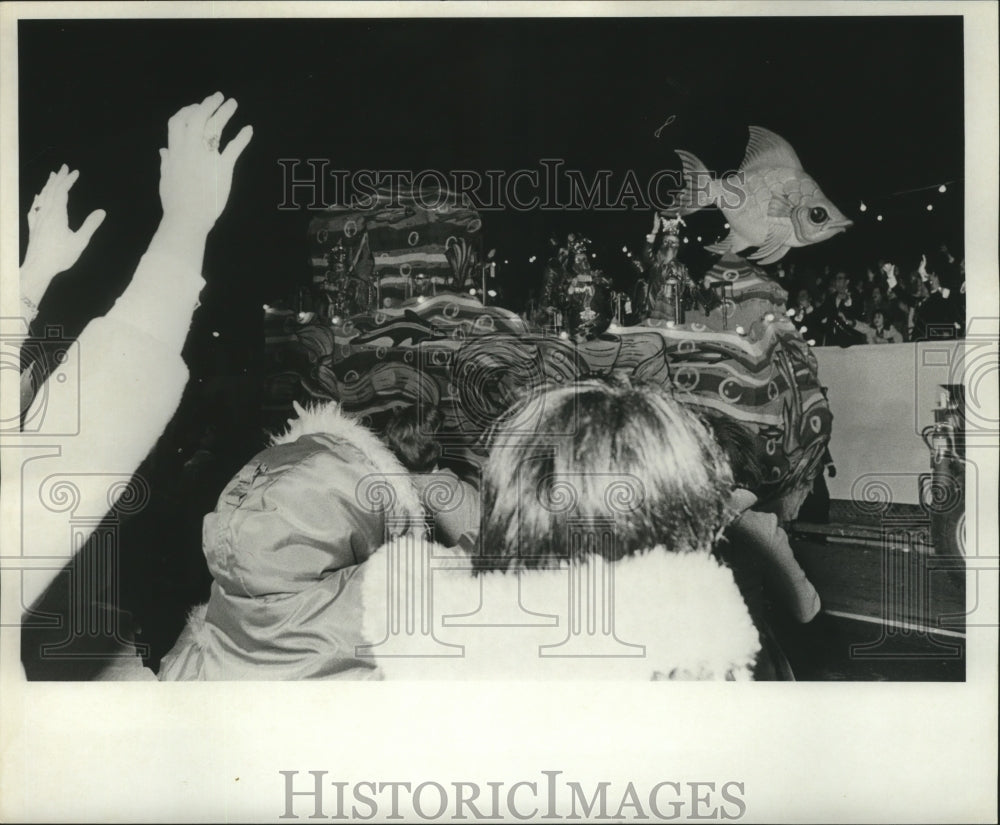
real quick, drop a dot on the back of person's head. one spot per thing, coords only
(411, 434)
(600, 467)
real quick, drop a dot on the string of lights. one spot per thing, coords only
(878, 207)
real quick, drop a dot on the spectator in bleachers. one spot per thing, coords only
(879, 332)
(804, 309)
(874, 301)
(840, 313)
(935, 317)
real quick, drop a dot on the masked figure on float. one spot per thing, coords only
(577, 298)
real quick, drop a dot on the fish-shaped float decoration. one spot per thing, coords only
(770, 201)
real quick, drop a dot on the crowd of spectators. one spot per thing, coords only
(892, 300)
(883, 304)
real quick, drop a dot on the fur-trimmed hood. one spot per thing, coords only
(330, 420)
(283, 545)
(651, 615)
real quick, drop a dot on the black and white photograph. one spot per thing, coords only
(436, 380)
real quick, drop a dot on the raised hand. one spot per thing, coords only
(195, 177)
(52, 246)
(890, 276)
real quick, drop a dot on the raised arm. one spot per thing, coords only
(131, 374)
(195, 181)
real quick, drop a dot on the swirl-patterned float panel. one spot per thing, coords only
(744, 359)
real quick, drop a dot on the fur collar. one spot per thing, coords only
(675, 616)
(330, 420)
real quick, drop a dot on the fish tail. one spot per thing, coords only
(699, 190)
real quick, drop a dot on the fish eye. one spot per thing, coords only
(818, 215)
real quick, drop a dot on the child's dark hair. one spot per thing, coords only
(741, 447)
(410, 434)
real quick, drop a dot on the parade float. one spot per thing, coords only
(399, 313)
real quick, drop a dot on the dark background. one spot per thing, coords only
(873, 106)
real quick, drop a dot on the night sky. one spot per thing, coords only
(873, 106)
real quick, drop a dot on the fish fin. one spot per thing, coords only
(733, 242)
(770, 259)
(780, 206)
(766, 149)
(694, 195)
(739, 243)
(722, 247)
(774, 246)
